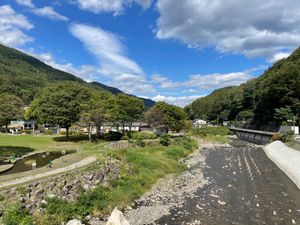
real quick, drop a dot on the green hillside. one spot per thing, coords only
(23, 75)
(257, 100)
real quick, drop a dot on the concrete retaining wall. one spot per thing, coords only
(260, 139)
(287, 159)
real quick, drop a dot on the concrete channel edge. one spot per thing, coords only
(287, 159)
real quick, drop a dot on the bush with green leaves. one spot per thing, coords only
(165, 140)
(26, 131)
(125, 137)
(287, 136)
(140, 143)
(16, 215)
(186, 142)
(143, 135)
(50, 132)
(113, 136)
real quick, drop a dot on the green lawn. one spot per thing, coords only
(24, 144)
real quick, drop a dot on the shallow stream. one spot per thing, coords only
(40, 159)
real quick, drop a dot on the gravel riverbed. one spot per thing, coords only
(170, 191)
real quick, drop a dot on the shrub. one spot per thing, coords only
(125, 137)
(113, 136)
(70, 133)
(15, 215)
(165, 140)
(186, 142)
(277, 137)
(49, 132)
(140, 143)
(142, 135)
(130, 133)
(287, 136)
(26, 131)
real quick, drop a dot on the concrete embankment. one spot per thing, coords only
(287, 159)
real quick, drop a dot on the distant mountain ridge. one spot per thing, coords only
(23, 75)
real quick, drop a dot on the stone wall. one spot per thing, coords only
(66, 187)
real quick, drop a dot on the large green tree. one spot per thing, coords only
(97, 111)
(165, 116)
(126, 110)
(60, 105)
(11, 108)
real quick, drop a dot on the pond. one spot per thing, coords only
(40, 159)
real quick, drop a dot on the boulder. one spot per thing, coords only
(117, 218)
(74, 222)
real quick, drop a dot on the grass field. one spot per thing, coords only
(140, 169)
(23, 144)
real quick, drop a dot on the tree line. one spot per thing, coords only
(272, 97)
(66, 103)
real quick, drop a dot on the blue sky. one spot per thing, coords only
(170, 50)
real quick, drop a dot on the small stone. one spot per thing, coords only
(22, 200)
(43, 202)
(86, 187)
(117, 218)
(87, 218)
(74, 222)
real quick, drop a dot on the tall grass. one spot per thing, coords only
(213, 134)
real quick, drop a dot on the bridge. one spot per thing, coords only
(254, 136)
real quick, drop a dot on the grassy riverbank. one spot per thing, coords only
(212, 134)
(140, 169)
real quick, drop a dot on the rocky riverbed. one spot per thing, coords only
(168, 192)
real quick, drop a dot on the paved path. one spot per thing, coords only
(5, 167)
(79, 164)
(245, 188)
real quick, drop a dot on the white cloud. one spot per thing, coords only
(107, 48)
(179, 101)
(279, 55)
(165, 82)
(203, 81)
(27, 3)
(254, 28)
(49, 12)
(132, 84)
(115, 6)
(217, 80)
(46, 11)
(12, 26)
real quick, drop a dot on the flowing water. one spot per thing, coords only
(245, 188)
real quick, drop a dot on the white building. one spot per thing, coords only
(199, 123)
(19, 125)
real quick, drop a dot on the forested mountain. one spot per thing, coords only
(148, 102)
(260, 100)
(23, 75)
